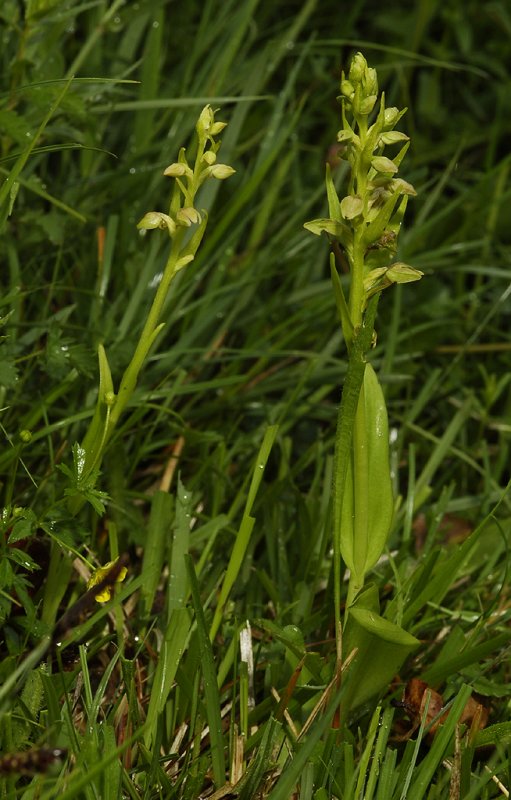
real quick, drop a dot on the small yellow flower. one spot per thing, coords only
(99, 574)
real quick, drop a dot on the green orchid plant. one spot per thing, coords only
(185, 226)
(363, 227)
(181, 216)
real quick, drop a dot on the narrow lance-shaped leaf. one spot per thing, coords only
(333, 199)
(340, 300)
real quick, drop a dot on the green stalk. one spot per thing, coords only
(149, 333)
(357, 295)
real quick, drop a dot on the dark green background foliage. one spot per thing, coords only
(251, 335)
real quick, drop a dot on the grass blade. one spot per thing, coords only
(245, 529)
(211, 692)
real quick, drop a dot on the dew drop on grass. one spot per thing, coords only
(132, 170)
(156, 24)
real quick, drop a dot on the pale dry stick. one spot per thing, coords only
(327, 692)
(495, 780)
(225, 791)
(238, 752)
(505, 792)
(287, 715)
(173, 770)
(170, 469)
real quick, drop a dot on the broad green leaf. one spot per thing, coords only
(368, 503)
(382, 648)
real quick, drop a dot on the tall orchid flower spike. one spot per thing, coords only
(364, 226)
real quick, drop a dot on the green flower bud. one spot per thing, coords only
(345, 136)
(347, 90)
(358, 68)
(205, 121)
(221, 171)
(351, 206)
(209, 157)
(187, 216)
(217, 128)
(383, 164)
(177, 170)
(403, 273)
(398, 184)
(25, 436)
(392, 137)
(367, 104)
(371, 82)
(391, 116)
